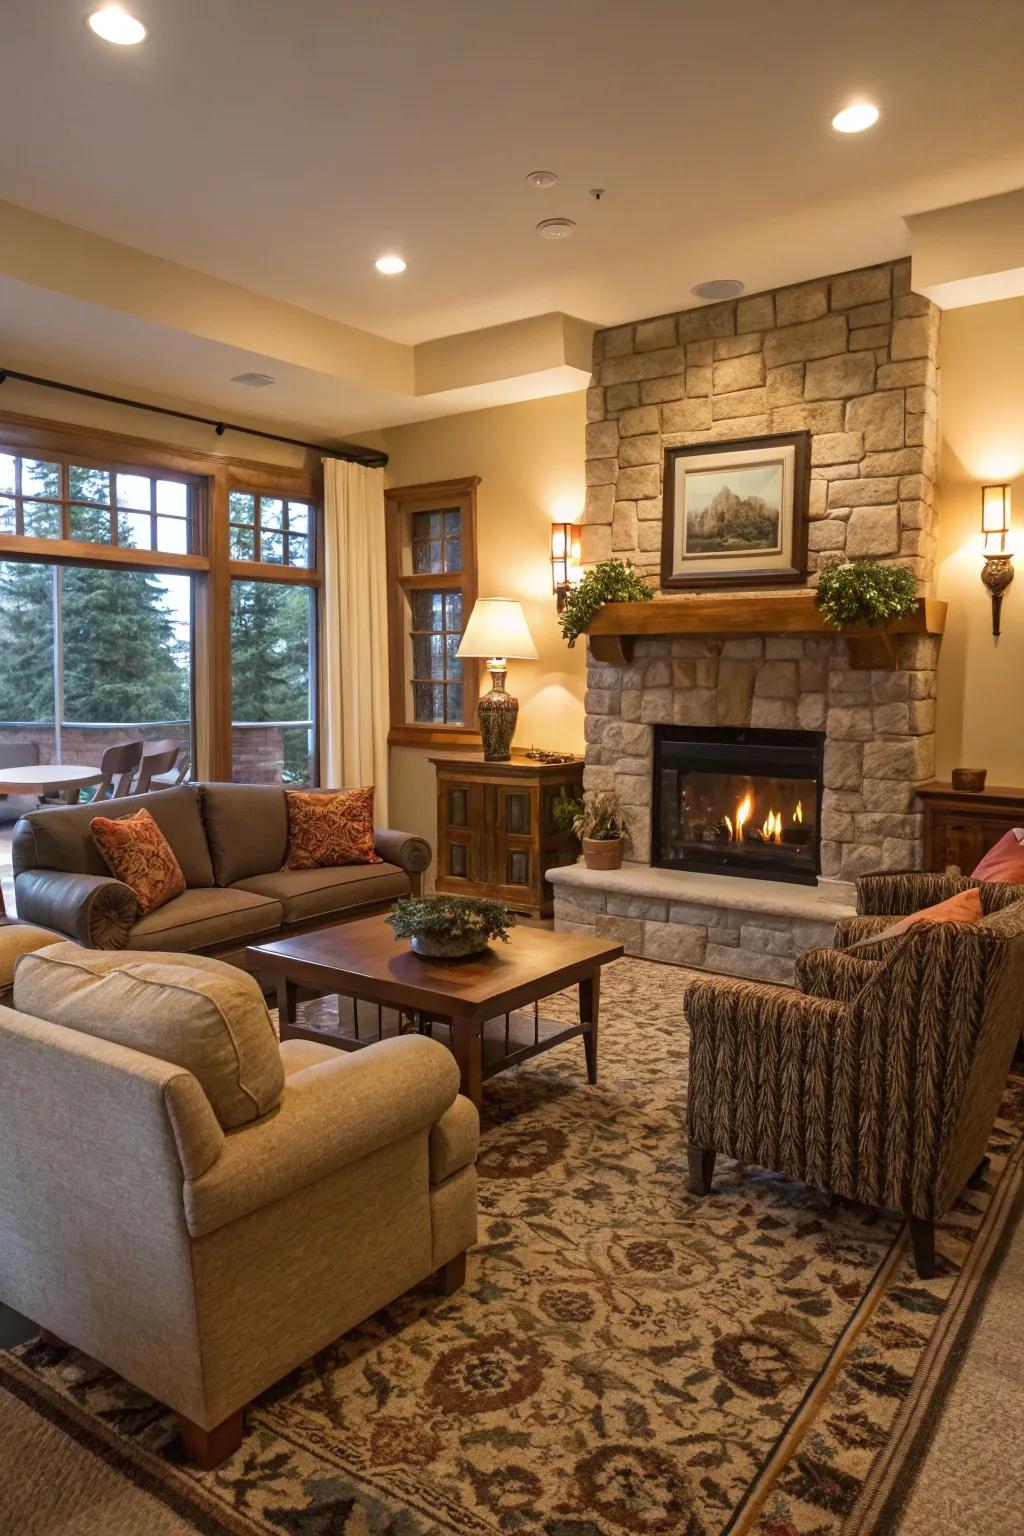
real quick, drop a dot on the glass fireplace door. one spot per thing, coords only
(738, 801)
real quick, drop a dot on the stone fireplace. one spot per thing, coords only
(851, 359)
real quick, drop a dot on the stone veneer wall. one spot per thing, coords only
(853, 360)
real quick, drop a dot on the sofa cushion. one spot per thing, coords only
(139, 855)
(205, 1016)
(202, 919)
(310, 893)
(1004, 860)
(60, 837)
(246, 829)
(964, 907)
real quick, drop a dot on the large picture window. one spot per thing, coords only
(431, 590)
(153, 592)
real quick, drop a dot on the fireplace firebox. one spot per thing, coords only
(738, 801)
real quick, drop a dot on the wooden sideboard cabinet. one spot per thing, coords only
(961, 826)
(496, 833)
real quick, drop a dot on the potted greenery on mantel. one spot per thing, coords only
(613, 581)
(859, 592)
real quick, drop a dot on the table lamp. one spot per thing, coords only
(497, 630)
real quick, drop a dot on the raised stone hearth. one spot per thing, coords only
(723, 923)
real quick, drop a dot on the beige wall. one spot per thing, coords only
(980, 679)
(530, 461)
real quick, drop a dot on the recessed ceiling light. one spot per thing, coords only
(116, 26)
(390, 265)
(719, 288)
(556, 229)
(542, 178)
(254, 380)
(856, 118)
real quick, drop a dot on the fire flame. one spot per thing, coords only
(771, 828)
(798, 814)
(743, 811)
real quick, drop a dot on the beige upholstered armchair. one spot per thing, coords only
(204, 1231)
(884, 1090)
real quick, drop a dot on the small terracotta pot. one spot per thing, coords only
(602, 852)
(969, 778)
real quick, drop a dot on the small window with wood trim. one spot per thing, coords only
(271, 530)
(431, 590)
(96, 503)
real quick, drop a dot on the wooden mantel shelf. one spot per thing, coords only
(617, 626)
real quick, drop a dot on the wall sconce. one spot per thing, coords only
(565, 560)
(997, 572)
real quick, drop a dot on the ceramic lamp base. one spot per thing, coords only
(497, 713)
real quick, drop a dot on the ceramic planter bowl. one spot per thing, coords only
(439, 946)
(602, 852)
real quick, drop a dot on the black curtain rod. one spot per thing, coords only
(371, 457)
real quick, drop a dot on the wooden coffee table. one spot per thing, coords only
(364, 961)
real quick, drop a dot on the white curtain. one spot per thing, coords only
(354, 708)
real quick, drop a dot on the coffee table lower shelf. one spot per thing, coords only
(505, 1041)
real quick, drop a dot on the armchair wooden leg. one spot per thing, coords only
(451, 1277)
(922, 1238)
(209, 1447)
(46, 1337)
(702, 1168)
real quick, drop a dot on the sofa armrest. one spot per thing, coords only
(92, 909)
(454, 1140)
(905, 891)
(409, 852)
(833, 973)
(760, 1073)
(331, 1115)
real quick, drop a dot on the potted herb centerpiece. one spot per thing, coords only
(600, 824)
(613, 581)
(449, 927)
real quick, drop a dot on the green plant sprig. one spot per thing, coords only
(613, 581)
(453, 917)
(865, 592)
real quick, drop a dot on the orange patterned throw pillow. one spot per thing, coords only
(136, 852)
(332, 829)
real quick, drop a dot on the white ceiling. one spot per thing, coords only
(284, 146)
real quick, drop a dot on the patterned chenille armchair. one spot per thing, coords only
(882, 899)
(886, 1095)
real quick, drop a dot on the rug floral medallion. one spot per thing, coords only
(625, 1359)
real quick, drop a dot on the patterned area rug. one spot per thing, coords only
(624, 1358)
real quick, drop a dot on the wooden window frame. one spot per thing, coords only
(215, 476)
(400, 502)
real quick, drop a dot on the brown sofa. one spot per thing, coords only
(231, 841)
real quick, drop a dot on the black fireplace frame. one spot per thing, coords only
(782, 752)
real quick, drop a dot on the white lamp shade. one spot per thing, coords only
(497, 627)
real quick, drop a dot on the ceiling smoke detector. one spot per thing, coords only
(253, 380)
(556, 229)
(542, 178)
(719, 288)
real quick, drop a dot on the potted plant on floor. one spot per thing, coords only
(600, 825)
(449, 927)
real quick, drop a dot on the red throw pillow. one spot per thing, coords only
(1005, 861)
(964, 907)
(329, 830)
(136, 852)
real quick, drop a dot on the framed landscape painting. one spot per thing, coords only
(736, 513)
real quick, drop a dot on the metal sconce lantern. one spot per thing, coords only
(565, 560)
(997, 572)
